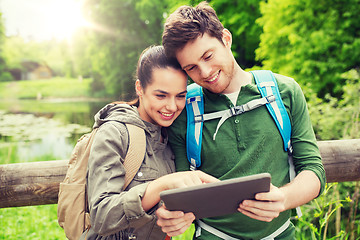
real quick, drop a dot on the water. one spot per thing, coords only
(33, 130)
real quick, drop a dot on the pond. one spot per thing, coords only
(32, 130)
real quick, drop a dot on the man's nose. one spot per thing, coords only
(205, 70)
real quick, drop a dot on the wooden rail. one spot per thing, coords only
(37, 183)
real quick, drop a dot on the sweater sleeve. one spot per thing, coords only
(111, 209)
(306, 153)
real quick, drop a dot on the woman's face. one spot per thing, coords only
(164, 97)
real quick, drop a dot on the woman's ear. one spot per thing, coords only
(227, 38)
(138, 88)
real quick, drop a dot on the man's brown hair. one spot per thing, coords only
(187, 24)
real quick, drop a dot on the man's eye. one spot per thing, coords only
(160, 95)
(208, 57)
(181, 96)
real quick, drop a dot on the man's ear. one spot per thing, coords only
(226, 37)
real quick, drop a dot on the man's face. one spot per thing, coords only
(208, 62)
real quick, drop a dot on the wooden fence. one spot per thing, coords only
(37, 183)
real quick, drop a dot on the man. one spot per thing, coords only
(246, 144)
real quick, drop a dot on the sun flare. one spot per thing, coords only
(63, 18)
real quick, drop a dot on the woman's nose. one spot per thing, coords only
(171, 105)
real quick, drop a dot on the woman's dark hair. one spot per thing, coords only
(151, 58)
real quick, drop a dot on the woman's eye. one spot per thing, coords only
(181, 96)
(190, 69)
(160, 96)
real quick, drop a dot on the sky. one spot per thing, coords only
(41, 19)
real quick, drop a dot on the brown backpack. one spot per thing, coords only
(73, 215)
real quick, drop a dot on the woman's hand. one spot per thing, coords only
(173, 223)
(184, 179)
(171, 181)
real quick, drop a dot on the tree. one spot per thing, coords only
(240, 18)
(55, 53)
(313, 41)
(4, 74)
(121, 30)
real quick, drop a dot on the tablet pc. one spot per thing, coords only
(216, 199)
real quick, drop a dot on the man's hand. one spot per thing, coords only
(173, 222)
(266, 207)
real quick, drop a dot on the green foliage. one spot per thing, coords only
(4, 75)
(333, 118)
(312, 41)
(240, 18)
(56, 54)
(127, 27)
(315, 220)
(330, 215)
(80, 53)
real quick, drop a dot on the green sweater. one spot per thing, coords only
(249, 144)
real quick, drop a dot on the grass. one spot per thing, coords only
(55, 88)
(30, 223)
(30, 106)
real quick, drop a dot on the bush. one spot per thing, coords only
(5, 77)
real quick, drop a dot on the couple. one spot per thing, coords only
(196, 44)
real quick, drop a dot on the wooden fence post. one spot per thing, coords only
(341, 159)
(37, 183)
(31, 183)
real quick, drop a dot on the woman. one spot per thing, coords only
(130, 214)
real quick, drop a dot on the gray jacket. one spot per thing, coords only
(117, 214)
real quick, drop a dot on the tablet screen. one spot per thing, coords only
(216, 199)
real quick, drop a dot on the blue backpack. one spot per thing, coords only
(271, 98)
(269, 90)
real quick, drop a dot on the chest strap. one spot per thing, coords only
(222, 235)
(237, 110)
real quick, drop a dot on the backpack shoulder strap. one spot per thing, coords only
(267, 85)
(194, 109)
(136, 152)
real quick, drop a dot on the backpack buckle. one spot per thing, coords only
(193, 99)
(270, 98)
(198, 118)
(237, 110)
